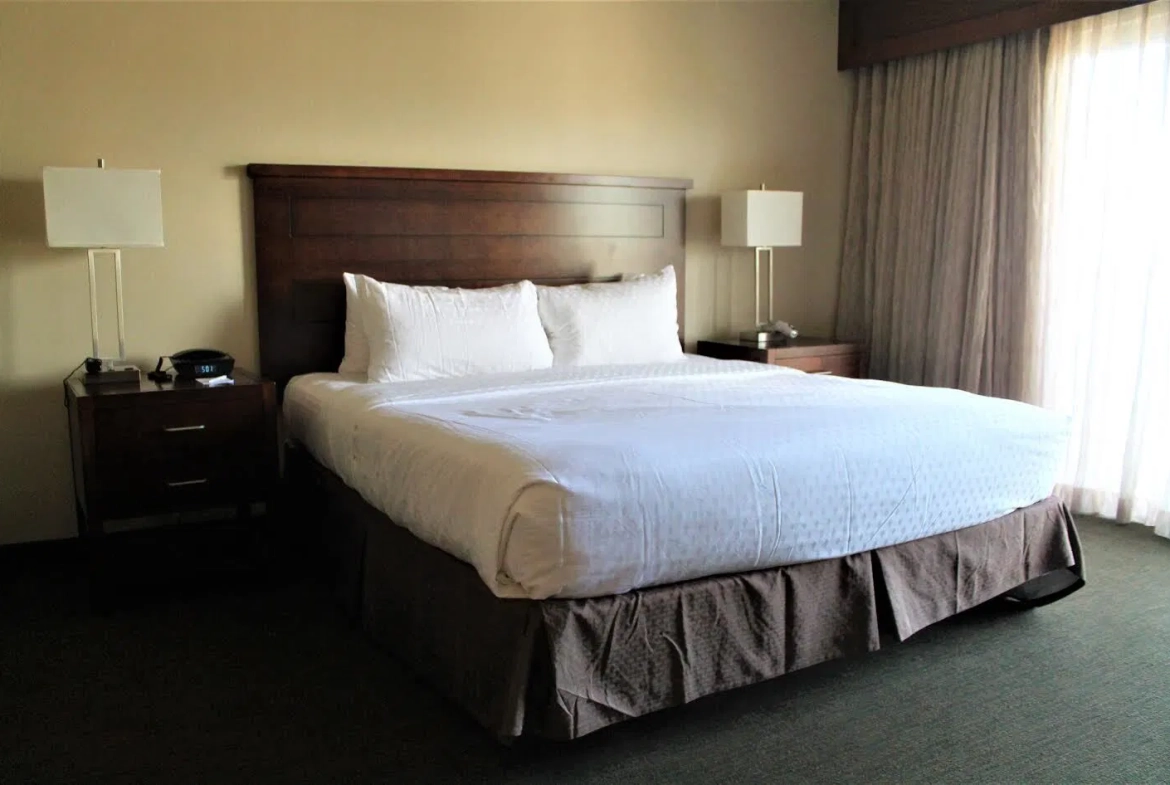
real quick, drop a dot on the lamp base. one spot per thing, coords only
(760, 336)
(764, 337)
(104, 372)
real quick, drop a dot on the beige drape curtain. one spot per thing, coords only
(942, 217)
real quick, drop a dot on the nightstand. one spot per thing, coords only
(814, 355)
(148, 449)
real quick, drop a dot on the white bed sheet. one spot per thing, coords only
(579, 482)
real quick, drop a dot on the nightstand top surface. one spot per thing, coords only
(145, 386)
(801, 342)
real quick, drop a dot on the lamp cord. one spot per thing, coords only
(65, 382)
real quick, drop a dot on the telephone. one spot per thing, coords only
(782, 329)
(192, 364)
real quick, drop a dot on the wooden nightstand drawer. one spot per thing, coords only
(212, 466)
(812, 355)
(848, 365)
(196, 480)
(147, 433)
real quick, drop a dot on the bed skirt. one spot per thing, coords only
(564, 668)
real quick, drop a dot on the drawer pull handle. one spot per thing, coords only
(184, 483)
(182, 428)
(821, 373)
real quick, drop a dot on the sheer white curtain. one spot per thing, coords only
(1104, 310)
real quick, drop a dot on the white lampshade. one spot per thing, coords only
(762, 219)
(103, 208)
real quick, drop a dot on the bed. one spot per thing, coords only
(918, 504)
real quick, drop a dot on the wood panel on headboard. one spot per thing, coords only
(440, 227)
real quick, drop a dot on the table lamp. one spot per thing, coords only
(762, 220)
(104, 210)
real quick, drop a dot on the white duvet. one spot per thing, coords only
(579, 482)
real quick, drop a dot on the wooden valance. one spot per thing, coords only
(874, 31)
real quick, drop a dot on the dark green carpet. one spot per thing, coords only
(256, 683)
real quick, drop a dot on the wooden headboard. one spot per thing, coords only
(433, 226)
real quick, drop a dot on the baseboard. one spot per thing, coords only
(40, 550)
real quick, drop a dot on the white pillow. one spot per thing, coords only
(430, 332)
(357, 348)
(634, 321)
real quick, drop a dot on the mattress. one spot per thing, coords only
(582, 482)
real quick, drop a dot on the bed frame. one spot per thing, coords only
(564, 668)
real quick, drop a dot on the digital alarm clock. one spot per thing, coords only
(201, 364)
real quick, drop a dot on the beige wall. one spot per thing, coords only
(727, 94)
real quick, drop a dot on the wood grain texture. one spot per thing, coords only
(874, 31)
(436, 218)
(153, 448)
(440, 227)
(813, 355)
(460, 175)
